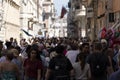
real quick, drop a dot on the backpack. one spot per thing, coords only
(61, 67)
(98, 65)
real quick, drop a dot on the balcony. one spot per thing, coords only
(26, 15)
(46, 3)
(80, 12)
(86, 2)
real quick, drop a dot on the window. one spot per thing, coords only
(117, 16)
(44, 25)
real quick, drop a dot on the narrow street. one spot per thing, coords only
(59, 39)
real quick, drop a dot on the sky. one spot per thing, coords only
(59, 4)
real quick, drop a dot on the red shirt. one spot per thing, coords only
(32, 67)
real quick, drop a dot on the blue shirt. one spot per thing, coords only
(115, 75)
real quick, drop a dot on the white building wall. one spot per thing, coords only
(30, 12)
(48, 7)
(11, 22)
(59, 28)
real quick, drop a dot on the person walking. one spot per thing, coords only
(18, 61)
(59, 67)
(81, 68)
(99, 63)
(72, 54)
(11, 71)
(32, 66)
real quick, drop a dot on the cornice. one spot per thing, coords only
(13, 3)
(9, 23)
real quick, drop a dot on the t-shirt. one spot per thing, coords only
(71, 55)
(102, 58)
(81, 74)
(52, 63)
(31, 67)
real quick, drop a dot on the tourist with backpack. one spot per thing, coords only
(60, 67)
(99, 63)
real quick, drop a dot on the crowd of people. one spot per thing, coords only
(59, 59)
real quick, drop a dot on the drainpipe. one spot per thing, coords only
(38, 9)
(95, 7)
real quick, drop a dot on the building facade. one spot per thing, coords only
(59, 28)
(31, 18)
(49, 17)
(26, 18)
(10, 22)
(116, 9)
(105, 13)
(76, 19)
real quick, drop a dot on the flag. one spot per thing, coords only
(26, 32)
(63, 12)
(109, 33)
(103, 33)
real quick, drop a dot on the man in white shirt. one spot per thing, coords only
(72, 54)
